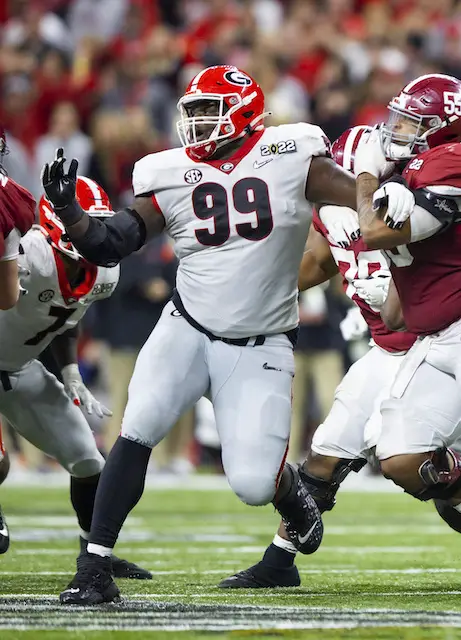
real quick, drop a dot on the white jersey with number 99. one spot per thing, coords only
(239, 227)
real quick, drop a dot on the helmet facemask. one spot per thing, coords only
(405, 133)
(206, 119)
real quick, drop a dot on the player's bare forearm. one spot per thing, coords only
(106, 243)
(391, 311)
(311, 273)
(375, 232)
(315, 269)
(328, 183)
(9, 284)
(64, 347)
(317, 265)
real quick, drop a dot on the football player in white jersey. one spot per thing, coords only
(237, 200)
(59, 287)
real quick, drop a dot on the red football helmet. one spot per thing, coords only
(91, 197)
(343, 149)
(230, 105)
(426, 114)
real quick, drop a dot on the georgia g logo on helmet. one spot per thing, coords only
(238, 78)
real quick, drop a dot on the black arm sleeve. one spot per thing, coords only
(106, 243)
(443, 208)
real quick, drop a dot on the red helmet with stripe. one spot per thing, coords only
(220, 104)
(343, 149)
(425, 114)
(91, 197)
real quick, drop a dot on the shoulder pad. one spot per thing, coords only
(436, 167)
(148, 170)
(305, 133)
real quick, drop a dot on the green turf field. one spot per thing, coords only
(388, 568)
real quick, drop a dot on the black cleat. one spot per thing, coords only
(262, 576)
(301, 516)
(92, 584)
(4, 534)
(122, 568)
(125, 569)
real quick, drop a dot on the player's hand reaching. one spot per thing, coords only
(342, 224)
(399, 201)
(373, 290)
(58, 185)
(370, 158)
(353, 327)
(79, 394)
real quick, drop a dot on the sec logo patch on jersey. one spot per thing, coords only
(193, 176)
(46, 295)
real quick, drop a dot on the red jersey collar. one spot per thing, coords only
(72, 295)
(227, 165)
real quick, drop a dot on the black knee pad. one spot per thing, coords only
(448, 513)
(324, 491)
(441, 475)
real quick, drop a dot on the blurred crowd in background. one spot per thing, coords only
(101, 78)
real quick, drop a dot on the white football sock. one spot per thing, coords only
(286, 545)
(99, 550)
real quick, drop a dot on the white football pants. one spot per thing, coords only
(39, 409)
(423, 411)
(353, 425)
(250, 388)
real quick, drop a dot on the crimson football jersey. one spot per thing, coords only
(427, 274)
(17, 209)
(358, 261)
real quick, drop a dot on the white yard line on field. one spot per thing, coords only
(145, 615)
(357, 483)
(210, 572)
(172, 551)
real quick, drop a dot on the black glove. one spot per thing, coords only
(59, 186)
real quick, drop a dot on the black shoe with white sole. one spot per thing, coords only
(92, 584)
(262, 576)
(4, 534)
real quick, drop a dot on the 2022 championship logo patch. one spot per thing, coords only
(278, 148)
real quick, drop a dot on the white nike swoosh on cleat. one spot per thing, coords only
(257, 164)
(72, 591)
(305, 538)
(4, 532)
